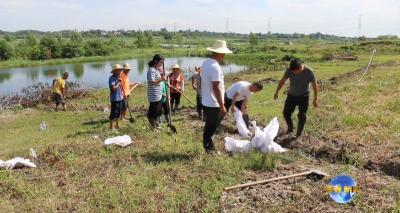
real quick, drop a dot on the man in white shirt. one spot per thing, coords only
(238, 94)
(212, 92)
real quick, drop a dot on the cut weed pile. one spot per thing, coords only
(355, 131)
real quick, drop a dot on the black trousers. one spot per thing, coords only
(116, 107)
(238, 104)
(155, 110)
(213, 121)
(165, 110)
(290, 106)
(175, 99)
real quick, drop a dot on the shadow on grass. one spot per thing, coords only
(157, 157)
(98, 122)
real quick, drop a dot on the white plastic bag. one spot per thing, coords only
(238, 146)
(269, 133)
(240, 124)
(263, 139)
(17, 163)
(122, 141)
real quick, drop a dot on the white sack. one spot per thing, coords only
(234, 145)
(263, 139)
(122, 141)
(240, 124)
(17, 163)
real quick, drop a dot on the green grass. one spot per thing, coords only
(166, 172)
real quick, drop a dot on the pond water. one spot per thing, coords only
(90, 74)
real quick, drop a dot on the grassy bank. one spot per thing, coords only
(169, 173)
(124, 54)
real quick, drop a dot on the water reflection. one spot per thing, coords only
(13, 80)
(4, 77)
(78, 70)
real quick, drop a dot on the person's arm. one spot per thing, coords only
(220, 100)
(234, 101)
(280, 85)
(315, 90)
(115, 85)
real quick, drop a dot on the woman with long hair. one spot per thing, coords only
(154, 90)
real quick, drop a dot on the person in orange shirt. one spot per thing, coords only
(177, 82)
(126, 88)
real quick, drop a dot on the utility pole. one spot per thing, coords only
(175, 27)
(359, 30)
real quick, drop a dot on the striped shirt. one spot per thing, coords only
(154, 93)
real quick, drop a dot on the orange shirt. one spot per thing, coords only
(125, 84)
(177, 81)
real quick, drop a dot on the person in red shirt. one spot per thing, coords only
(178, 83)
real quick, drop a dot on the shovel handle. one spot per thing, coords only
(266, 181)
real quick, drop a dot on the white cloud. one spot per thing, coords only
(304, 16)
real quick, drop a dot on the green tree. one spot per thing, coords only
(50, 47)
(76, 37)
(140, 40)
(96, 47)
(8, 38)
(167, 35)
(6, 50)
(179, 39)
(71, 49)
(30, 40)
(149, 38)
(253, 40)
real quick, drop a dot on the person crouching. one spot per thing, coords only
(237, 96)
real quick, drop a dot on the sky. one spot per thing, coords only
(338, 17)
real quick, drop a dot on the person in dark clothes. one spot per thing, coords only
(300, 77)
(116, 97)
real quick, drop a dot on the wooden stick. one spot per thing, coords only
(134, 87)
(183, 95)
(266, 181)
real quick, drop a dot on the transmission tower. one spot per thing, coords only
(227, 25)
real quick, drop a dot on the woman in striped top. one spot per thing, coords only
(154, 91)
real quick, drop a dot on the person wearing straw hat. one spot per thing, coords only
(126, 88)
(212, 92)
(177, 81)
(116, 96)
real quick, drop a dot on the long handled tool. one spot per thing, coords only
(183, 95)
(313, 174)
(127, 106)
(172, 127)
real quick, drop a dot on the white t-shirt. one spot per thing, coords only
(242, 88)
(211, 71)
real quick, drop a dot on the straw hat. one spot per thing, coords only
(116, 67)
(127, 66)
(176, 66)
(219, 47)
